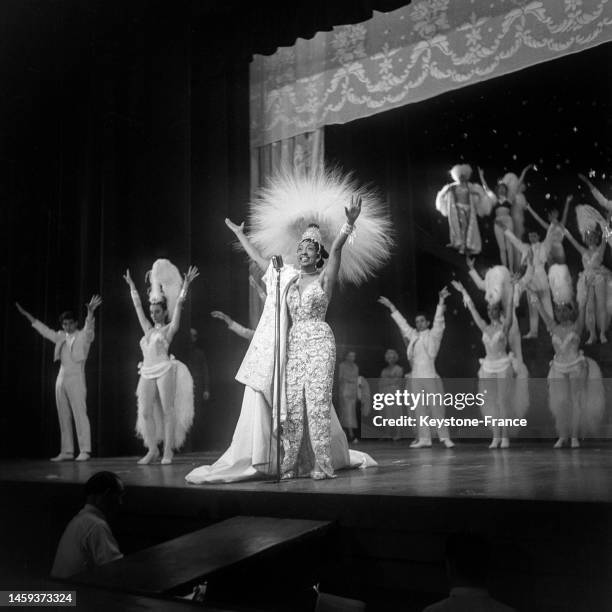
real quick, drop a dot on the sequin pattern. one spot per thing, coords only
(311, 357)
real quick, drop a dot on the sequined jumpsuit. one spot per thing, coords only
(311, 357)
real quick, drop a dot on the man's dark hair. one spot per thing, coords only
(421, 313)
(67, 315)
(468, 555)
(101, 482)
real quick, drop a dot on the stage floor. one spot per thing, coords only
(527, 471)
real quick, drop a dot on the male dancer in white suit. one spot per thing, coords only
(423, 346)
(71, 350)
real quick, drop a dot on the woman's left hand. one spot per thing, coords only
(191, 275)
(353, 210)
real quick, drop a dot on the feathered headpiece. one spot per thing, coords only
(460, 170)
(511, 181)
(165, 284)
(497, 284)
(589, 219)
(561, 286)
(291, 201)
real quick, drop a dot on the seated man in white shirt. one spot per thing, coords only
(88, 540)
(467, 563)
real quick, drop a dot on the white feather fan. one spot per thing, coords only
(291, 201)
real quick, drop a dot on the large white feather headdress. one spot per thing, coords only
(292, 200)
(561, 286)
(498, 284)
(165, 284)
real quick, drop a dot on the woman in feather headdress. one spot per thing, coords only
(503, 379)
(555, 231)
(593, 226)
(575, 387)
(295, 216)
(461, 201)
(165, 389)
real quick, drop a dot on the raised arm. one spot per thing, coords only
(469, 304)
(142, 318)
(407, 332)
(582, 250)
(437, 328)
(89, 330)
(568, 201)
(601, 199)
(520, 246)
(478, 280)
(537, 217)
(521, 179)
(335, 254)
(485, 186)
(247, 245)
(239, 330)
(40, 327)
(175, 323)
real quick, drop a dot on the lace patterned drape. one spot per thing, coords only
(411, 54)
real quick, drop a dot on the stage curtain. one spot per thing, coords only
(304, 153)
(411, 54)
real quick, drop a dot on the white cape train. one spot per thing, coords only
(252, 453)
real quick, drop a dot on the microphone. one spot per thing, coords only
(277, 262)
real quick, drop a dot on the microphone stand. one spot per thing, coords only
(277, 261)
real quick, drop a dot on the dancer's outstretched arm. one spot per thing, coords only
(485, 186)
(335, 255)
(239, 330)
(537, 217)
(408, 332)
(478, 280)
(40, 327)
(467, 301)
(601, 199)
(91, 306)
(568, 201)
(521, 179)
(581, 249)
(247, 245)
(437, 328)
(142, 318)
(175, 323)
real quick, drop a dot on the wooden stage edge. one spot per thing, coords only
(546, 512)
(528, 471)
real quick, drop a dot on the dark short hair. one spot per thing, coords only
(469, 555)
(421, 314)
(67, 315)
(101, 482)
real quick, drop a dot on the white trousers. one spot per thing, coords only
(70, 397)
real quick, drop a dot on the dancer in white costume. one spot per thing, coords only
(491, 285)
(601, 199)
(503, 380)
(575, 387)
(165, 388)
(391, 381)
(555, 231)
(461, 202)
(281, 213)
(598, 307)
(535, 281)
(71, 350)
(423, 346)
